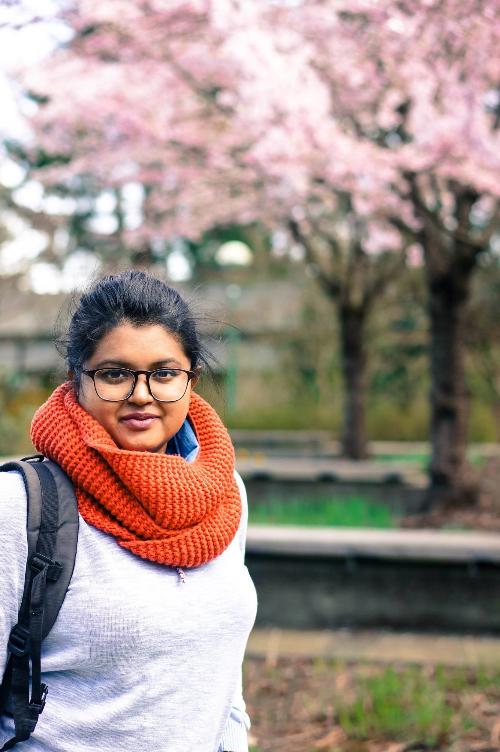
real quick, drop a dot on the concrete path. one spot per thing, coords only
(419, 545)
(258, 464)
(378, 646)
(253, 438)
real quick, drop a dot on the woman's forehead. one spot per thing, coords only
(144, 345)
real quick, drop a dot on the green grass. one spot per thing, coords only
(418, 459)
(422, 459)
(405, 704)
(402, 457)
(481, 678)
(352, 511)
(429, 706)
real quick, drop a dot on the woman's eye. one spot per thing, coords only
(114, 375)
(165, 374)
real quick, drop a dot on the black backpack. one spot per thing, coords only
(52, 531)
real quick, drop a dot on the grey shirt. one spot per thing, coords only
(137, 659)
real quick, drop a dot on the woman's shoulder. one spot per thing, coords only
(242, 490)
(13, 503)
(13, 541)
(242, 530)
(13, 552)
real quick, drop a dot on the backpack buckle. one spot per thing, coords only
(39, 706)
(18, 641)
(38, 562)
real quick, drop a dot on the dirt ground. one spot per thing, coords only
(292, 702)
(292, 705)
(486, 516)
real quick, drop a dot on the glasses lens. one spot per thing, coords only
(168, 384)
(113, 384)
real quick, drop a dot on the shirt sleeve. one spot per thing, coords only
(242, 530)
(13, 554)
(235, 736)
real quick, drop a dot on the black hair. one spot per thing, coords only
(135, 297)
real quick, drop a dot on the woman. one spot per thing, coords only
(147, 650)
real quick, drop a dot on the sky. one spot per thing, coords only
(23, 47)
(19, 48)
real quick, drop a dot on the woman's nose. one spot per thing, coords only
(141, 391)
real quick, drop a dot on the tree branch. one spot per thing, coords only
(385, 276)
(457, 235)
(331, 285)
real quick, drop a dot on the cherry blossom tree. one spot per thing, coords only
(336, 120)
(188, 102)
(419, 81)
(409, 125)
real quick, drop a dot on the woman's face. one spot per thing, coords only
(144, 347)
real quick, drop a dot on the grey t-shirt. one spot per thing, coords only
(137, 659)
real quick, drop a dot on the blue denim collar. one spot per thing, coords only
(184, 443)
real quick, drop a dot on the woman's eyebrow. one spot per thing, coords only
(126, 364)
(159, 363)
(111, 362)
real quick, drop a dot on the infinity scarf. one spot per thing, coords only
(158, 506)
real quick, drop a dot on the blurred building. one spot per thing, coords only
(249, 328)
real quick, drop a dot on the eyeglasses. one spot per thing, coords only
(117, 384)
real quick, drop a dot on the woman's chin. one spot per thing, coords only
(141, 444)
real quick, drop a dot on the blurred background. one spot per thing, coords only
(320, 179)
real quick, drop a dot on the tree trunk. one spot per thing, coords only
(451, 477)
(353, 355)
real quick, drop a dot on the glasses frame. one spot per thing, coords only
(135, 374)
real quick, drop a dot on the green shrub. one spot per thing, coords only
(18, 403)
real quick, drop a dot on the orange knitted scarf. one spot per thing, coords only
(157, 505)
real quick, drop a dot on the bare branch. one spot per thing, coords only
(408, 232)
(458, 235)
(385, 276)
(331, 285)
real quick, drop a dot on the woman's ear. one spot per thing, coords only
(71, 377)
(196, 377)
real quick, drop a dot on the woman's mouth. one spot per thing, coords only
(139, 421)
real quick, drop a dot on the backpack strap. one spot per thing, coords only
(66, 541)
(52, 532)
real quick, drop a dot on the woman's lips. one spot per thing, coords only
(136, 423)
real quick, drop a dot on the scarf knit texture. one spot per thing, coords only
(159, 506)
